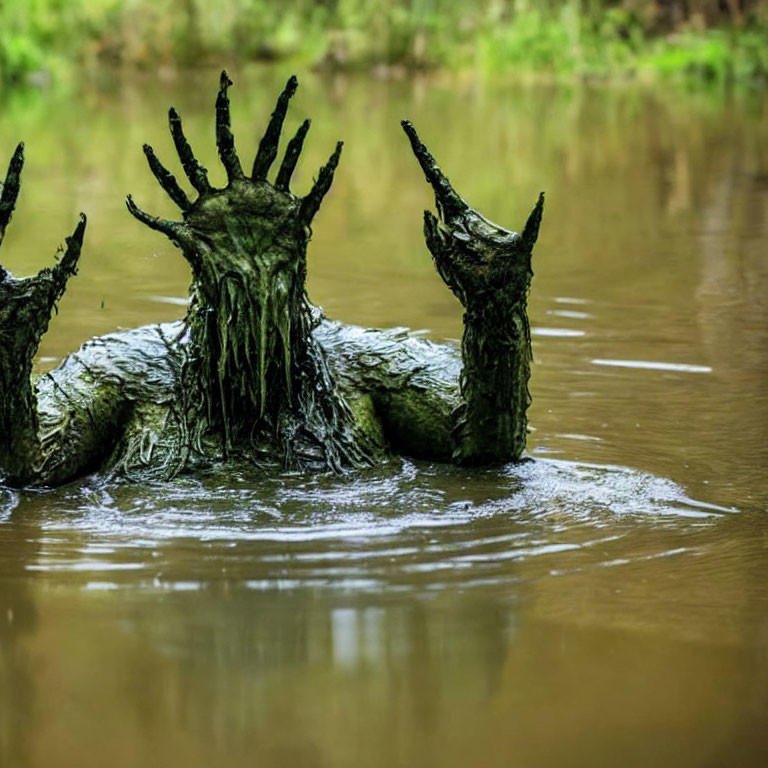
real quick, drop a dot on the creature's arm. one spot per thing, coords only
(489, 270)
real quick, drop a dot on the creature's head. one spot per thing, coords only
(246, 244)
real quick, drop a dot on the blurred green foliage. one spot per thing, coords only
(716, 40)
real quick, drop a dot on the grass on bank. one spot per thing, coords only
(560, 39)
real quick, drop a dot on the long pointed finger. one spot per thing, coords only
(268, 144)
(9, 190)
(167, 180)
(171, 229)
(67, 264)
(196, 172)
(447, 198)
(311, 203)
(225, 141)
(531, 230)
(291, 157)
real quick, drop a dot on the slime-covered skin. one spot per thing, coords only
(254, 372)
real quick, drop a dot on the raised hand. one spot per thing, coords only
(249, 202)
(478, 260)
(489, 270)
(50, 282)
(254, 359)
(26, 305)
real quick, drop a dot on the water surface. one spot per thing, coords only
(604, 603)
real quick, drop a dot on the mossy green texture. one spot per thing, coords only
(489, 270)
(254, 372)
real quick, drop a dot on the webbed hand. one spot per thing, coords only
(480, 261)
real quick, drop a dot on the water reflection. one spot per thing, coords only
(19, 544)
(605, 655)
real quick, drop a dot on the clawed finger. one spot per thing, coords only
(66, 267)
(10, 188)
(291, 157)
(310, 204)
(268, 144)
(196, 172)
(531, 229)
(225, 141)
(171, 229)
(167, 180)
(448, 201)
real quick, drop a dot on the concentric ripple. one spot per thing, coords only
(406, 527)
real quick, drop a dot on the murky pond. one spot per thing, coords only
(603, 604)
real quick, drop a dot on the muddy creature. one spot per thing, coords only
(254, 373)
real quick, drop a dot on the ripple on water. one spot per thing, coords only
(407, 527)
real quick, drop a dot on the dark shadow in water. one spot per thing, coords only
(19, 546)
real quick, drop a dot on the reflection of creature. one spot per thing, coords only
(18, 617)
(254, 371)
(263, 665)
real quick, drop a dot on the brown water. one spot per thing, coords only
(606, 604)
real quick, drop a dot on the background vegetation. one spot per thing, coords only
(715, 40)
